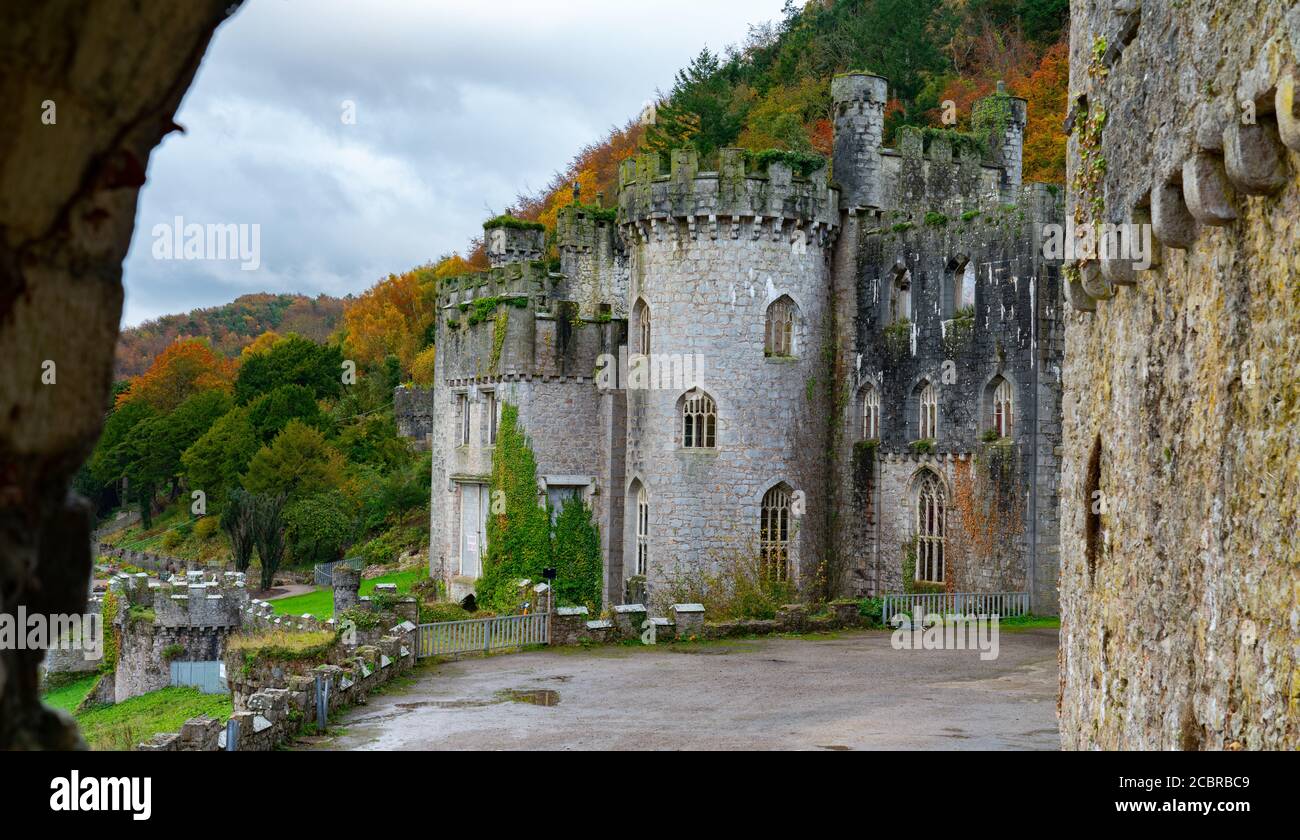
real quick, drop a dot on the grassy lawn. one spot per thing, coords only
(123, 725)
(70, 694)
(320, 603)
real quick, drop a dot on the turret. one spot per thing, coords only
(1004, 116)
(510, 240)
(859, 103)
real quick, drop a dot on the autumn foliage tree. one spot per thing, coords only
(186, 367)
(393, 317)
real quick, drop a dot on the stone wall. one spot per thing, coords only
(1014, 336)
(542, 357)
(413, 412)
(1180, 590)
(274, 699)
(66, 217)
(158, 622)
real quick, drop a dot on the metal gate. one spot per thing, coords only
(483, 634)
(1001, 604)
(205, 676)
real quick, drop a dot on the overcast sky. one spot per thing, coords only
(458, 107)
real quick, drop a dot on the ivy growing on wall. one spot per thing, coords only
(112, 635)
(989, 511)
(521, 542)
(579, 573)
(518, 528)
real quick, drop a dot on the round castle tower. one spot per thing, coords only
(729, 286)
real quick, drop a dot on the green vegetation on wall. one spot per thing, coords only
(518, 528)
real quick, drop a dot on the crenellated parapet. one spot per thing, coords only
(726, 204)
(592, 260)
(194, 601)
(528, 285)
(509, 240)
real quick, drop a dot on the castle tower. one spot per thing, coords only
(859, 103)
(729, 286)
(508, 240)
(592, 261)
(1005, 117)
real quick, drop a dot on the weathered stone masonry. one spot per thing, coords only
(1180, 593)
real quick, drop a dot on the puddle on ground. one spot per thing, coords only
(445, 704)
(533, 696)
(835, 747)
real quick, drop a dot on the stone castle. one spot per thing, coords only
(844, 383)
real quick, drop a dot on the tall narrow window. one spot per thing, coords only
(462, 409)
(642, 532)
(643, 326)
(929, 413)
(491, 408)
(778, 336)
(931, 514)
(699, 421)
(966, 291)
(900, 297)
(774, 534)
(870, 414)
(1002, 409)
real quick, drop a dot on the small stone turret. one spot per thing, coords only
(1004, 116)
(510, 240)
(859, 102)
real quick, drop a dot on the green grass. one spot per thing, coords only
(123, 725)
(320, 602)
(1026, 622)
(69, 695)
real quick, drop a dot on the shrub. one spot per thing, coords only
(733, 587)
(171, 539)
(206, 527)
(318, 527)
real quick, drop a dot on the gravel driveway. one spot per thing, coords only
(845, 691)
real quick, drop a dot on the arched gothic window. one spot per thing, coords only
(870, 414)
(931, 525)
(774, 534)
(699, 421)
(778, 335)
(642, 532)
(1002, 408)
(929, 413)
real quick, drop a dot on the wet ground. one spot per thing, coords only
(849, 691)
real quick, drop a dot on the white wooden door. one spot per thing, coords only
(473, 528)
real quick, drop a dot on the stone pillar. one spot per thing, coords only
(628, 618)
(689, 619)
(347, 585)
(859, 101)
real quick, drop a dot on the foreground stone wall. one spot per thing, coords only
(115, 73)
(1180, 589)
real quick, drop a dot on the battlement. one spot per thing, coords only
(945, 171)
(592, 260)
(647, 195)
(509, 240)
(584, 227)
(1035, 206)
(195, 601)
(527, 285)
